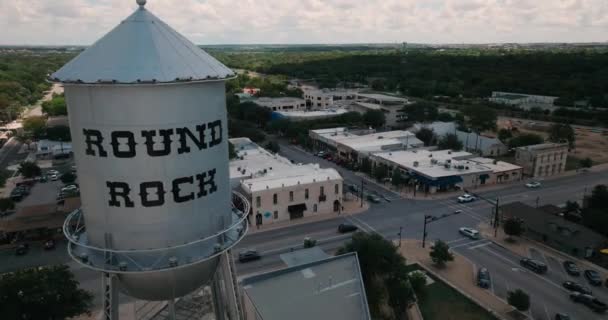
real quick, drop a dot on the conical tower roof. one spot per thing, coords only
(142, 49)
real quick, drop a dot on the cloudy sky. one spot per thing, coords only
(48, 22)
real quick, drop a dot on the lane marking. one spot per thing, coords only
(546, 311)
(480, 245)
(456, 240)
(468, 243)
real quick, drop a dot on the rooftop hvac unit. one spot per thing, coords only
(430, 155)
(447, 165)
(448, 161)
(415, 163)
(434, 161)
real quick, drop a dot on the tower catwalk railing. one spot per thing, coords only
(148, 260)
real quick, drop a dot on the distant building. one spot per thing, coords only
(524, 101)
(308, 115)
(542, 160)
(445, 170)
(555, 231)
(252, 91)
(280, 190)
(353, 146)
(332, 288)
(48, 149)
(282, 104)
(326, 98)
(390, 105)
(472, 142)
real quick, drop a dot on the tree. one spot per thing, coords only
(273, 146)
(418, 281)
(586, 163)
(68, 177)
(24, 137)
(440, 253)
(525, 139)
(4, 175)
(400, 293)
(380, 172)
(421, 112)
(42, 293)
(480, 118)
(366, 166)
(309, 243)
(504, 135)
(374, 118)
(59, 133)
(561, 132)
(36, 126)
(519, 299)
(572, 206)
(397, 178)
(513, 227)
(231, 152)
(29, 169)
(449, 141)
(595, 215)
(427, 136)
(6, 204)
(379, 261)
(55, 106)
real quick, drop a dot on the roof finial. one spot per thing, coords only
(141, 3)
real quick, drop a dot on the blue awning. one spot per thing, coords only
(442, 181)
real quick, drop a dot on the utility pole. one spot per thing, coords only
(362, 183)
(400, 230)
(537, 199)
(496, 219)
(424, 230)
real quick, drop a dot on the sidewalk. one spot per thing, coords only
(522, 247)
(351, 207)
(459, 274)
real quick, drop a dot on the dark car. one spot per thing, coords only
(49, 244)
(373, 198)
(249, 255)
(593, 277)
(590, 301)
(561, 316)
(345, 228)
(22, 249)
(483, 278)
(573, 286)
(571, 268)
(533, 265)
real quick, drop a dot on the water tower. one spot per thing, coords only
(149, 128)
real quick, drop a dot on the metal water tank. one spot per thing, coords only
(147, 113)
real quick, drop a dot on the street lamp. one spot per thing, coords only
(362, 184)
(400, 230)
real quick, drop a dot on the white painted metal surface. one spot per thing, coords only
(142, 48)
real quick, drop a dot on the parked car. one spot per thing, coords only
(562, 316)
(571, 268)
(70, 188)
(590, 301)
(53, 177)
(533, 265)
(345, 228)
(22, 249)
(533, 184)
(573, 286)
(466, 198)
(593, 277)
(469, 233)
(249, 255)
(52, 171)
(483, 278)
(49, 244)
(320, 154)
(373, 198)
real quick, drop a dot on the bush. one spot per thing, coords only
(519, 299)
(6, 204)
(68, 177)
(440, 253)
(309, 243)
(418, 281)
(29, 169)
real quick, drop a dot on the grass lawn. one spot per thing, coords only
(441, 302)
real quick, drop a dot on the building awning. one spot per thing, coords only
(484, 176)
(297, 208)
(441, 181)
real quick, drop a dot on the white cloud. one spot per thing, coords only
(314, 21)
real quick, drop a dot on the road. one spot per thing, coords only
(386, 218)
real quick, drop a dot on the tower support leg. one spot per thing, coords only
(110, 296)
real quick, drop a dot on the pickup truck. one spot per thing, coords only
(590, 301)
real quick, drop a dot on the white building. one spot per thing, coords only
(354, 146)
(525, 101)
(280, 190)
(472, 142)
(281, 104)
(390, 105)
(446, 170)
(325, 98)
(542, 160)
(309, 115)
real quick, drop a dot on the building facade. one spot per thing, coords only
(542, 160)
(280, 190)
(391, 106)
(326, 98)
(282, 104)
(525, 101)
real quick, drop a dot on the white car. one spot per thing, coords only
(53, 177)
(69, 188)
(533, 184)
(469, 233)
(466, 198)
(52, 172)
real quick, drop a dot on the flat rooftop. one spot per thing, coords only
(498, 166)
(259, 169)
(382, 97)
(280, 100)
(544, 146)
(312, 114)
(327, 289)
